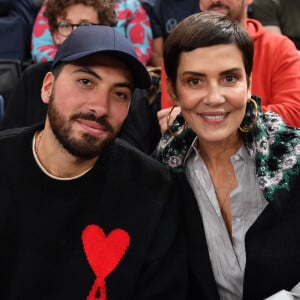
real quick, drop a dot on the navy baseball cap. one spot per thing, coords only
(88, 40)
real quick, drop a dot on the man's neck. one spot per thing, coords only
(55, 160)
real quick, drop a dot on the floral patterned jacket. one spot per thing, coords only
(272, 144)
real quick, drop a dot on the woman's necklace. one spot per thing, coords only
(223, 189)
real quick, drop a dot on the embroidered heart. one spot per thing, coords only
(103, 254)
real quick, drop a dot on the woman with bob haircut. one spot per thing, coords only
(242, 164)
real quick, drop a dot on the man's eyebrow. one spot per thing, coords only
(125, 84)
(88, 71)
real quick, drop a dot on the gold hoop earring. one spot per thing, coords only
(180, 130)
(250, 127)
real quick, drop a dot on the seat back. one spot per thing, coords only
(1, 107)
(10, 72)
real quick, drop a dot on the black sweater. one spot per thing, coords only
(115, 228)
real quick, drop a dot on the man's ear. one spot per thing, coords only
(47, 87)
(172, 93)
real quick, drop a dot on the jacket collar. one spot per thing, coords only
(272, 144)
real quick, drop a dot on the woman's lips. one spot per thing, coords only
(214, 118)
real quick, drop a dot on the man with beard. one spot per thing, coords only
(84, 215)
(276, 65)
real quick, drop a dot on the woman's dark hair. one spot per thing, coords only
(206, 29)
(104, 8)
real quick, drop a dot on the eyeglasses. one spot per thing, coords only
(65, 28)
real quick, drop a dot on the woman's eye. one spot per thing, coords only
(231, 78)
(194, 81)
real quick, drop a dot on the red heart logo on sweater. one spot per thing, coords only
(103, 254)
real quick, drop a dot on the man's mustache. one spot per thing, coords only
(218, 5)
(91, 117)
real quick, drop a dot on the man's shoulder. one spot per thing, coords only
(130, 153)
(12, 132)
(280, 48)
(128, 149)
(15, 134)
(14, 144)
(271, 42)
(257, 32)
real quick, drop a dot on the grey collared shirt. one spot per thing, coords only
(228, 256)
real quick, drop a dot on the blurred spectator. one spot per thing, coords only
(28, 9)
(281, 16)
(58, 17)
(276, 69)
(132, 21)
(164, 16)
(16, 22)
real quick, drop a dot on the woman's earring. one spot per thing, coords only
(254, 110)
(180, 130)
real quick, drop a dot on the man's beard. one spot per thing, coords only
(85, 147)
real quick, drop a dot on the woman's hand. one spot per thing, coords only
(162, 117)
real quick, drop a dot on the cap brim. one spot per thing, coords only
(140, 74)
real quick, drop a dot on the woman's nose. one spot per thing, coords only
(214, 95)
